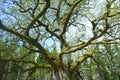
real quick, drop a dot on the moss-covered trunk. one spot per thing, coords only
(60, 75)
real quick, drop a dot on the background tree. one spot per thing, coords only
(60, 35)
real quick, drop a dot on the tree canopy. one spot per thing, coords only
(67, 39)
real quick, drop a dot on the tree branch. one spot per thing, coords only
(31, 41)
(68, 16)
(38, 16)
(38, 65)
(82, 58)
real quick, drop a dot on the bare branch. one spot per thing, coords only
(38, 16)
(68, 16)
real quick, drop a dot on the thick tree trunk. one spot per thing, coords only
(60, 75)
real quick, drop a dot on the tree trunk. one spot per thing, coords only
(60, 75)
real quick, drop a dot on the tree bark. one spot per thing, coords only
(60, 75)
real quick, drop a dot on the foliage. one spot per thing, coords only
(63, 39)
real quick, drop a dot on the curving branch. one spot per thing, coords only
(68, 16)
(31, 41)
(38, 16)
(82, 58)
(107, 26)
